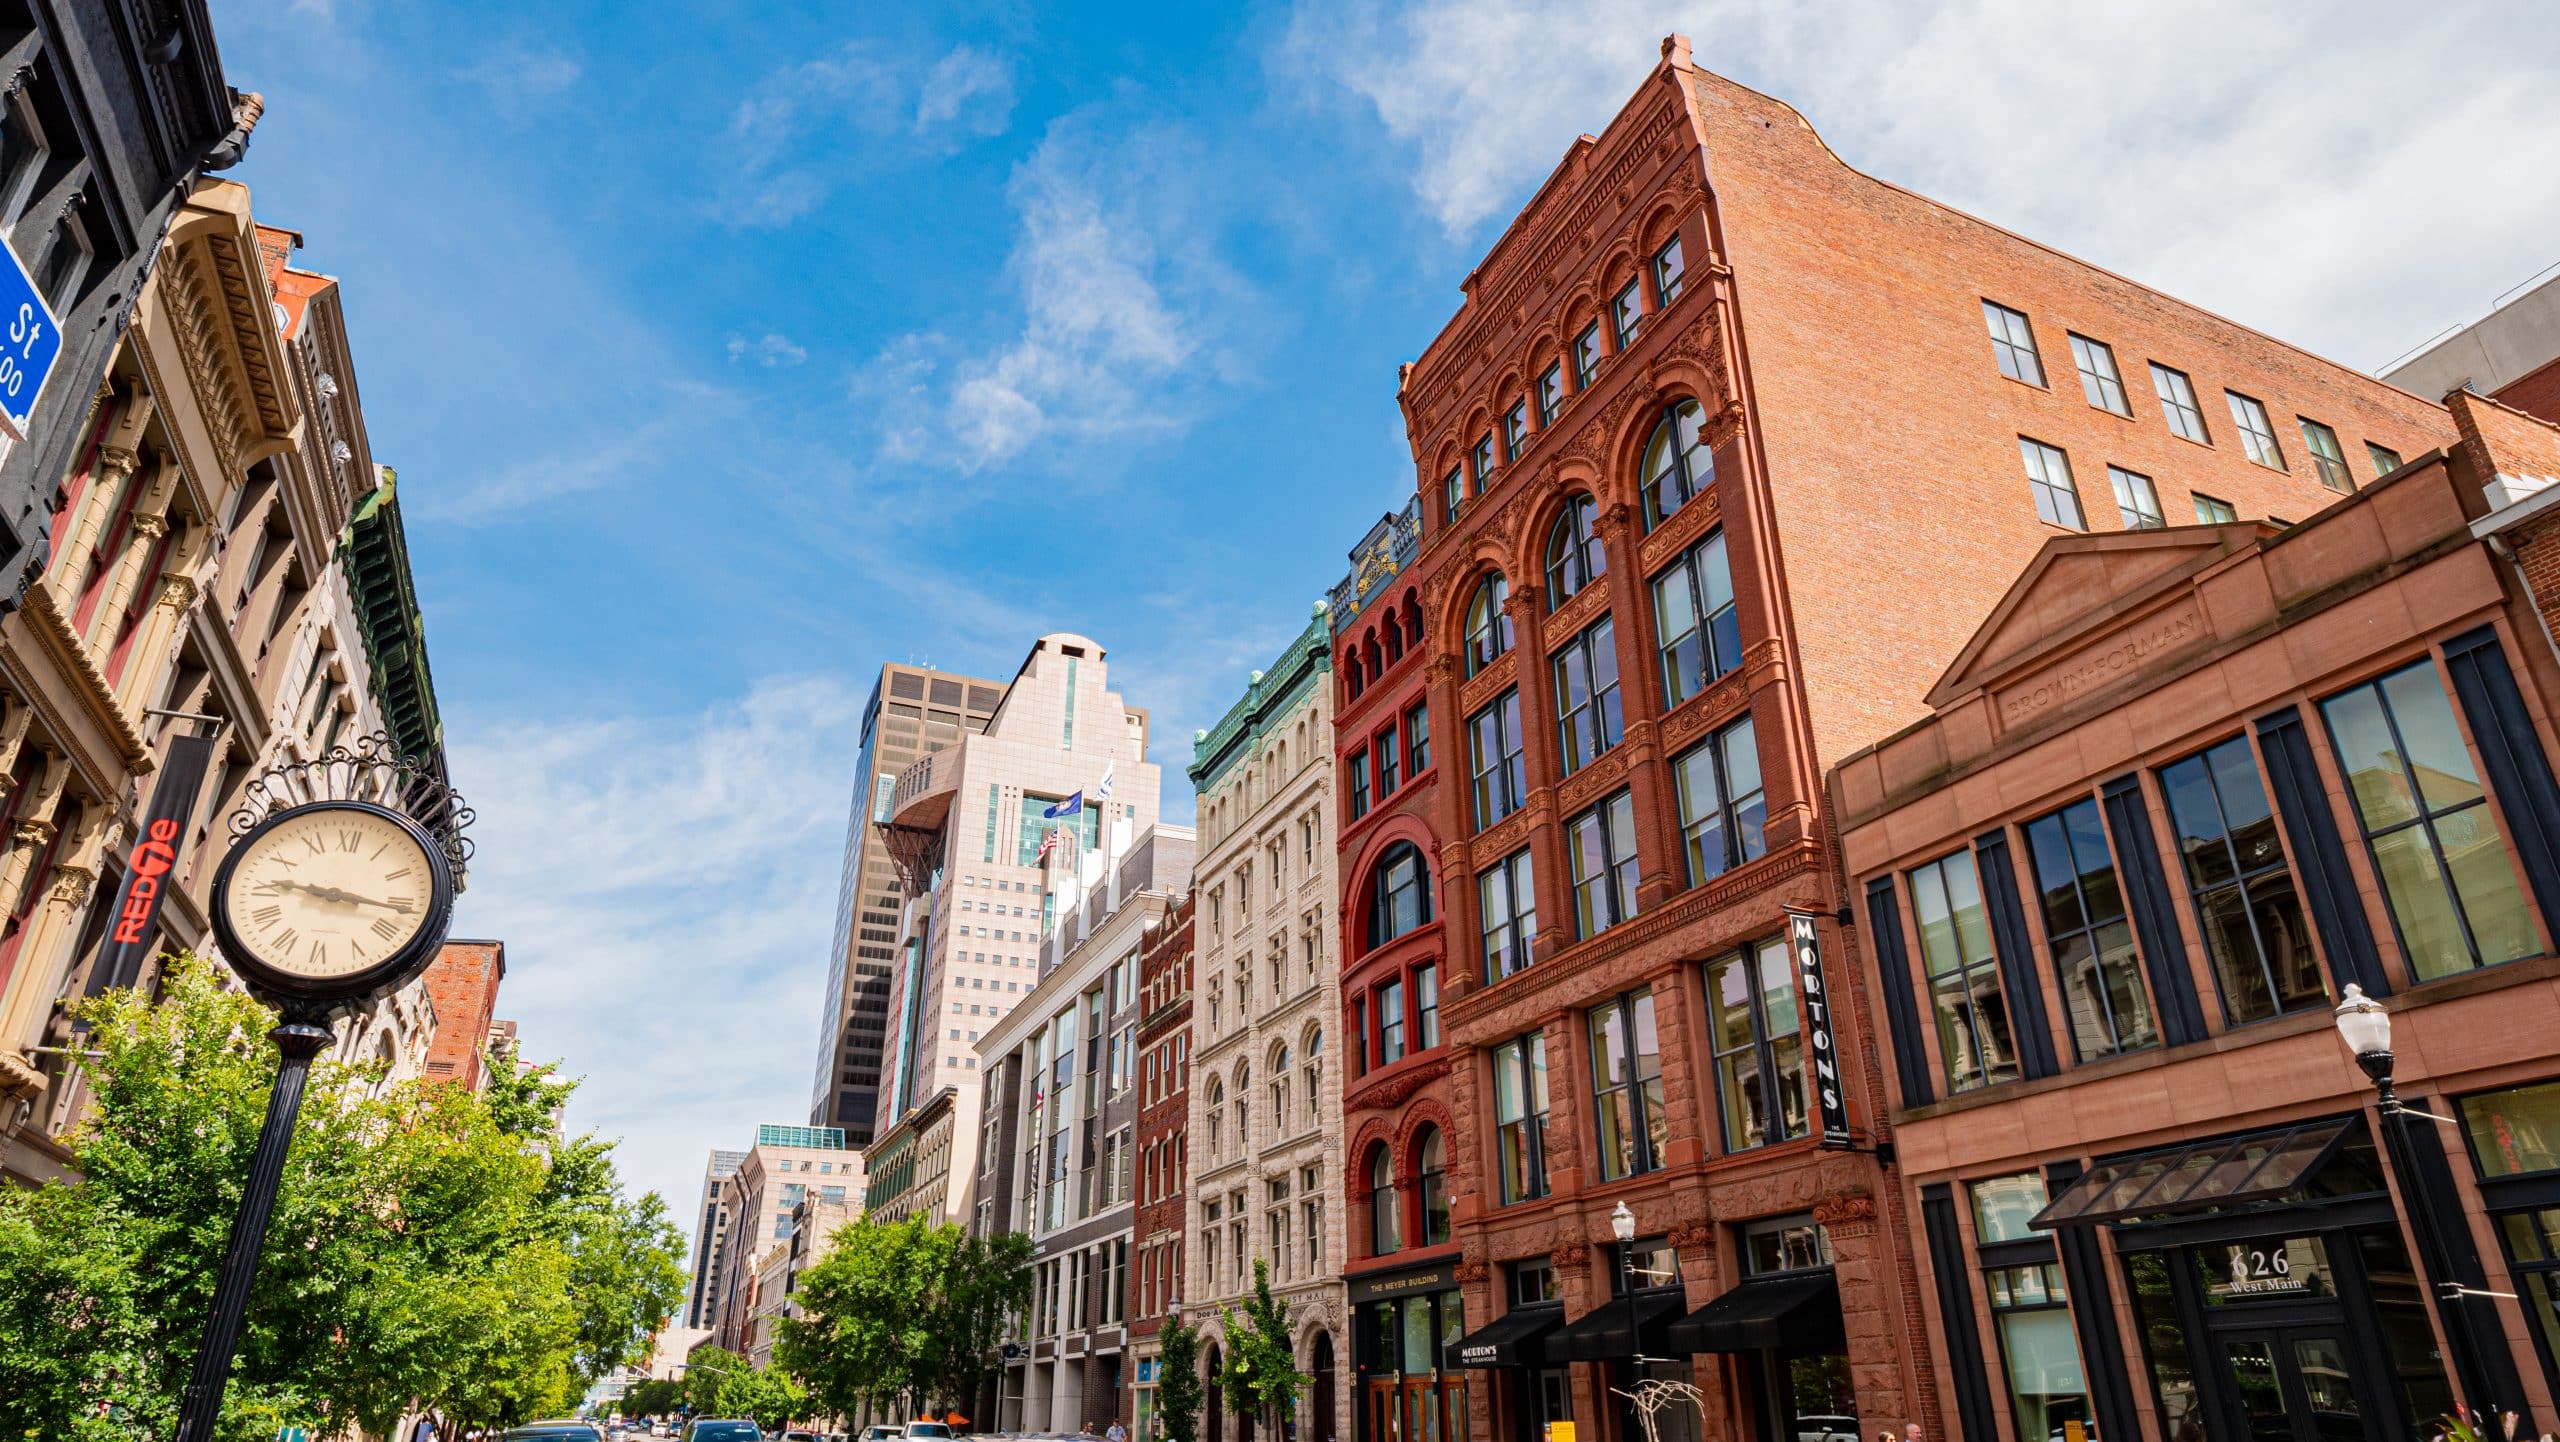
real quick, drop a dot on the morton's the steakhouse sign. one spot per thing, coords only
(2094, 667)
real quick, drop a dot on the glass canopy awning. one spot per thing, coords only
(2224, 1171)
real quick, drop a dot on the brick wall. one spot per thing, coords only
(462, 982)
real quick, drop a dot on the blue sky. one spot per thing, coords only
(728, 350)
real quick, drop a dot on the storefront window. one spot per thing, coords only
(2515, 1143)
(2514, 1132)
(2091, 941)
(2039, 1355)
(2245, 901)
(2445, 873)
(2164, 1346)
(1974, 1042)
(1753, 1027)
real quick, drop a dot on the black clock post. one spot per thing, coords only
(299, 1037)
(373, 780)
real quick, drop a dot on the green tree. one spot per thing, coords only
(652, 1397)
(1259, 1369)
(720, 1383)
(901, 1314)
(1178, 1381)
(425, 1245)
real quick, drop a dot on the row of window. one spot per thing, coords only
(2057, 493)
(2013, 349)
(1395, 755)
(1475, 474)
(2422, 811)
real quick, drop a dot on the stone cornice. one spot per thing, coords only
(98, 712)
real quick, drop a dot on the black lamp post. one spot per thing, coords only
(2366, 1029)
(1622, 1225)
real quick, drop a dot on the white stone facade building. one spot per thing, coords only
(1266, 1091)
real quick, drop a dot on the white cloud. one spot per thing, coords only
(514, 75)
(968, 90)
(666, 890)
(768, 350)
(1118, 289)
(806, 127)
(2307, 168)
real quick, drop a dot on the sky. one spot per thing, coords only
(729, 350)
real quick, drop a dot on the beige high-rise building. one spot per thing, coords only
(967, 826)
(1266, 1094)
(914, 711)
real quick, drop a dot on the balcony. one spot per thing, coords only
(922, 799)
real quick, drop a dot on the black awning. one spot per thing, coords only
(1795, 1312)
(1515, 1339)
(2277, 1164)
(1600, 1335)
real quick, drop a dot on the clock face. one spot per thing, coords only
(330, 892)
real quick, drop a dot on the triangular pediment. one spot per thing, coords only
(2080, 585)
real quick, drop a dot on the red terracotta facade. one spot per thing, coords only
(1862, 461)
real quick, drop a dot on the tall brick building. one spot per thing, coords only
(1163, 1147)
(1725, 457)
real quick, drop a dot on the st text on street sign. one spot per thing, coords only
(30, 343)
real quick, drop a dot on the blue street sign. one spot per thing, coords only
(30, 342)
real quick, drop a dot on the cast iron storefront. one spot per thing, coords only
(1402, 1326)
(2268, 1277)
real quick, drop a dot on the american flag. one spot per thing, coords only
(1047, 843)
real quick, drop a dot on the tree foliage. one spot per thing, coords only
(900, 1312)
(720, 1383)
(1178, 1381)
(652, 1397)
(1259, 1368)
(427, 1243)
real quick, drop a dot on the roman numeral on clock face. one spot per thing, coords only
(384, 927)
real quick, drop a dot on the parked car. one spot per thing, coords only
(555, 1429)
(1827, 1429)
(928, 1432)
(722, 1429)
(883, 1432)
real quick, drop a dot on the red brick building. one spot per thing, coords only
(1723, 460)
(1163, 1149)
(462, 982)
(1401, 1257)
(2180, 792)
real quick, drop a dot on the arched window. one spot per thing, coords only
(1399, 894)
(1315, 1077)
(1280, 1088)
(1488, 624)
(1677, 467)
(1244, 1108)
(1217, 1115)
(1412, 620)
(1434, 1201)
(1382, 1202)
(1575, 556)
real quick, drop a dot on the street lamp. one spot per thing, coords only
(1622, 1225)
(2366, 1029)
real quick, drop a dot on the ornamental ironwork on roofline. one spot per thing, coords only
(1382, 555)
(1270, 694)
